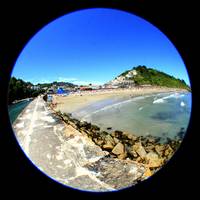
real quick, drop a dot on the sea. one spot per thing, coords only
(164, 115)
(15, 109)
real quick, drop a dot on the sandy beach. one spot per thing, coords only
(78, 100)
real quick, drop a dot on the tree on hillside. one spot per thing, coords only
(19, 89)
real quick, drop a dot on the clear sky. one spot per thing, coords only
(94, 46)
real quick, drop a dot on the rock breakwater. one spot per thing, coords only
(148, 150)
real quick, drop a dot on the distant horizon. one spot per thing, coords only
(88, 46)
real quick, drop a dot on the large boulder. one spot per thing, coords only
(71, 123)
(149, 147)
(168, 151)
(94, 127)
(117, 134)
(147, 173)
(130, 152)
(139, 149)
(153, 160)
(109, 142)
(122, 156)
(109, 138)
(116, 140)
(160, 149)
(118, 149)
(99, 142)
(108, 146)
(151, 139)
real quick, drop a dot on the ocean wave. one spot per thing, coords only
(162, 100)
(118, 104)
(106, 108)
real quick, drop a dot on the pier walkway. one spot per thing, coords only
(66, 155)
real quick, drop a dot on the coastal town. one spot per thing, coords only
(127, 80)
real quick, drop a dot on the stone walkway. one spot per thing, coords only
(68, 156)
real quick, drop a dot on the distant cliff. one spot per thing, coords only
(141, 75)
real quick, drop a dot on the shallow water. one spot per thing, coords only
(15, 109)
(161, 115)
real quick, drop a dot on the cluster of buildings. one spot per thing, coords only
(66, 90)
(123, 81)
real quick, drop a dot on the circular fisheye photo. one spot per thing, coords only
(99, 100)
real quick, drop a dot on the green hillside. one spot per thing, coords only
(149, 76)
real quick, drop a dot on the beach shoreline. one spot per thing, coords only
(146, 151)
(79, 100)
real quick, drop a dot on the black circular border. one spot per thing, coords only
(21, 21)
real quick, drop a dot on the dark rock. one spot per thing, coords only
(151, 139)
(130, 142)
(168, 151)
(117, 134)
(82, 123)
(67, 115)
(128, 138)
(157, 139)
(94, 127)
(103, 135)
(168, 140)
(76, 122)
(72, 124)
(109, 128)
(96, 134)
(130, 152)
(160, 149)
(174, 144)
(149, 147)
(99, 142)
(85, 124)
(66, 119)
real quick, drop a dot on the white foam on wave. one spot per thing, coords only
(161, 100)
(118, 104)
(174, 95)
(140, 108)
(182, 104)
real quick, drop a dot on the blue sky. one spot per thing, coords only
(94, 46)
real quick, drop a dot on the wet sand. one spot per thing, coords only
(79, 100)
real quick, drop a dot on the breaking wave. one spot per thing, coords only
(163, 99)
(118, 104)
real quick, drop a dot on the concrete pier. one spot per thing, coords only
(66, 155)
